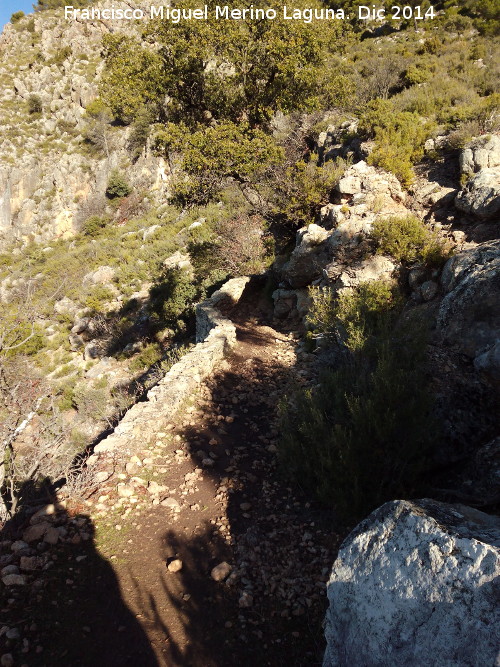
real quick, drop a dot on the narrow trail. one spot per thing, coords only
(207, 489)
(234, 506)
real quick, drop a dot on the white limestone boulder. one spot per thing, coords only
(416, 583)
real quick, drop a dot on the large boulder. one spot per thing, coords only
(416, 583)
(101, 276)
(481, 162)
(308, 258)
(481, 195)
(376, 267)
(482, 153)
(469, 316)
(366, 183)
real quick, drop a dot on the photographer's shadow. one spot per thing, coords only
(69, 610)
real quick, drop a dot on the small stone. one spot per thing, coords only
(30, 563)
(245, 601)
(42, 514)
(7, 660)
(175, 565)
(19, 545)
(36, 532)
(102, 476)
(221, 571)
(14, 580)
(51, 536)
(245, 506)
(172, 504)
(13, 633)
(125, 490)
(154, 488)
(10, 569)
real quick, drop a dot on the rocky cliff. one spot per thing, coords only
(51, 177)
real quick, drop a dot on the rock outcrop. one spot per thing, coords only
(482, 153)
(51, 177)
(308, 258)
(216, 335)
(469, 317)
(415, 584)
(481, 194)
(342, 257)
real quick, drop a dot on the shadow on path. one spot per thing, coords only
(70, 610)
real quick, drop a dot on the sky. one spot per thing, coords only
(8, 7)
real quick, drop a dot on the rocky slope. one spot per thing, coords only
(51, 180)
(200, 451)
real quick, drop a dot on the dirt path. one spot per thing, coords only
(208, 489)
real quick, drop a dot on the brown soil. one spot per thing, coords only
(123, 607)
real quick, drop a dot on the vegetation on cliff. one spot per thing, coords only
(235, 117)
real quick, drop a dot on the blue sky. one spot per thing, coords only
(8, 7)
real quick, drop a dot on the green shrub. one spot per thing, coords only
(150, 355)
(16, 16)
(60, 56)
(173, 298)
(98, 299)
(401, 237)
(213, 155)
(117, 186)
(139, 132)
(94, 225)
(356, 314)
(305, 187)
(361, 437)
(399, 138)
(35, 104)
(407, 239)
(416, 74)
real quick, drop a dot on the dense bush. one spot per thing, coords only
(94, 224)
(406, 238)
(117, 186)
(399, 138)
(355, 314)
(173, 298)
(146, 358)
(211, 156)
(361, 437)
(17, 16)
(139, 132)
(35, 104)
(256, 68)
(302, 188)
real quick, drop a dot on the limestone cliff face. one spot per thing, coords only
(49, 179)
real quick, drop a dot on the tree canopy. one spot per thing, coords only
(238, 70)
